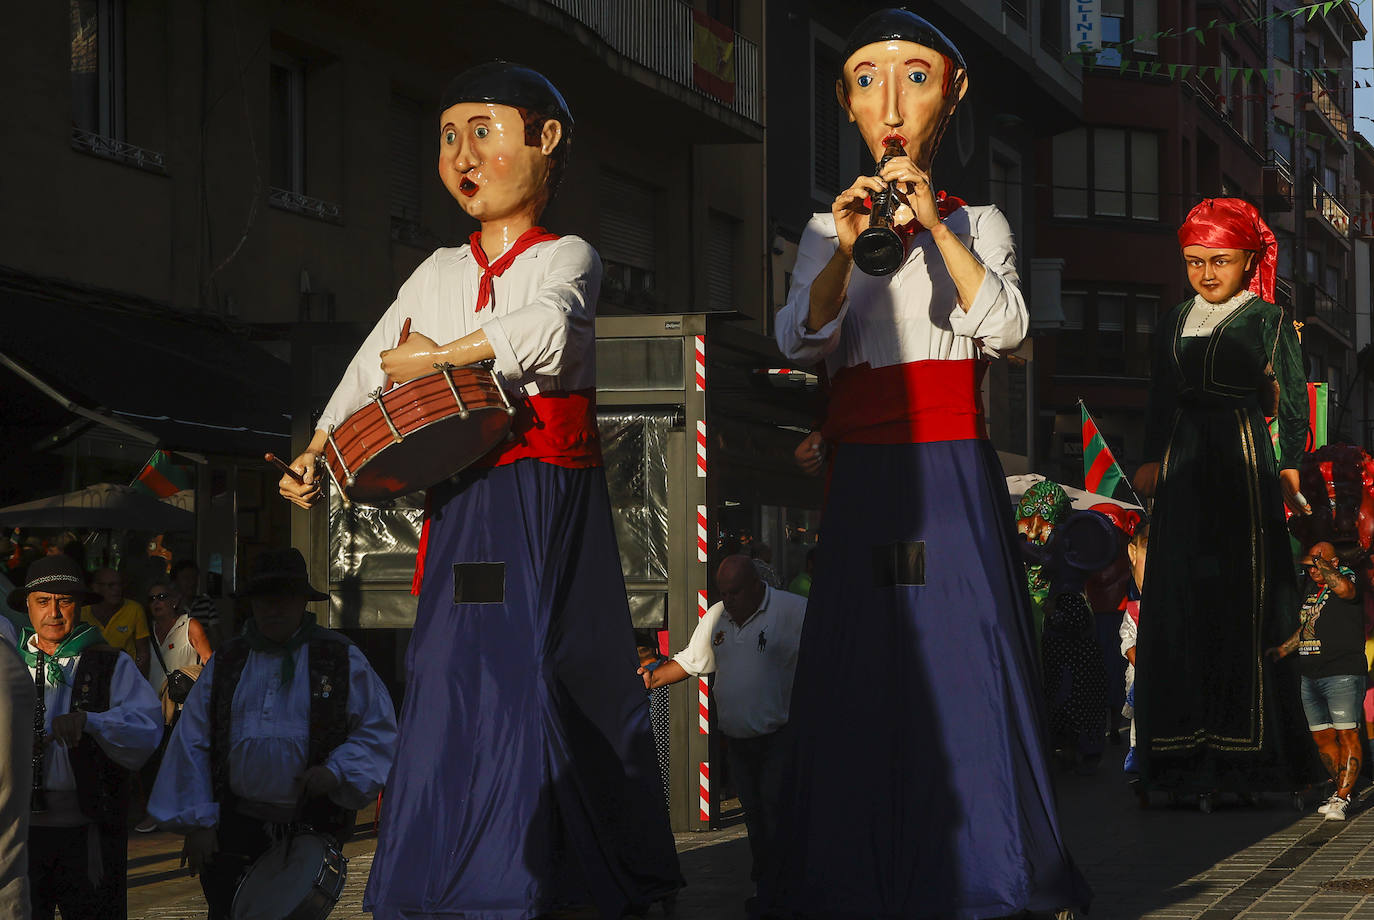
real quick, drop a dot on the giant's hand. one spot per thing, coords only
(1292, 495)
(67, 728)
(914, 190)
(306, 493)
(414, 357)
(850, 212)
(1146, 479)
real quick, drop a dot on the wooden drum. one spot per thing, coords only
(417, 434)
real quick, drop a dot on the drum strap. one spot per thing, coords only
(102, 786)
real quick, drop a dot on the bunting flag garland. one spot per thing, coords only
(1305, 13)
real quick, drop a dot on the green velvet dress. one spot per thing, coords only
(1220, 580)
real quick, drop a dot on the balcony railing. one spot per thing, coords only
(317, 208)
(1326, 101)
(1325, 308)
(1332, 211)
(117, 150)
(658, 34)
(1278, 182)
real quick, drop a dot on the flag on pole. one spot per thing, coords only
(161, 476)
(1101, 473)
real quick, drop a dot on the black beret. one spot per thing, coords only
(900, 25)
(504, 83)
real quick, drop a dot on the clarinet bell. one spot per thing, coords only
(879, 251)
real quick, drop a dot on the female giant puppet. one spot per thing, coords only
(920, 785)
(525, 778)
(1211, 714)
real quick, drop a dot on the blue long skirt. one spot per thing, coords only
(525, 778)
(920, 784)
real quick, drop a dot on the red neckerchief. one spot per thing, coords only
(494, 270)
(944, 203)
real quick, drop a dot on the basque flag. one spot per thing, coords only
(161, 476)
(1101, 473)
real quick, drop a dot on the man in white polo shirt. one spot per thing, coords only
(749, 641)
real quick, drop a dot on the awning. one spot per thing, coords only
(189, 382)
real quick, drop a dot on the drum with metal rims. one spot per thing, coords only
(417, 434)
(300, 878)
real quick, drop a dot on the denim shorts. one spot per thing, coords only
(1333, 702)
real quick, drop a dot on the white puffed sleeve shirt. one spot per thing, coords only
(912, 314)
(128, 732)
(541, 321)
(269, 740)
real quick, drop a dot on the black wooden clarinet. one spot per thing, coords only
(879, 250)
(38, 798)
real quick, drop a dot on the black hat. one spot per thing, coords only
(57, 574)
(504, 83)
(281, 571)
(900, 25)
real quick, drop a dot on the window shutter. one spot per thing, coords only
(826, 169)
(720, 262)
(404, 127)
(627, 222)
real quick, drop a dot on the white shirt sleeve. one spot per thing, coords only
(532, 339)
(131, 729)
(699, 657)
(998, 314)
(364, 373)
(1127, 633)
(183, 796)
(817, 246)
(363, 761)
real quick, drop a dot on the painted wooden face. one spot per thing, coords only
(1218, 274)
(485, 163)
(897, 89)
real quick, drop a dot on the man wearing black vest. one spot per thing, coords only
(287, 725)
(95, 721)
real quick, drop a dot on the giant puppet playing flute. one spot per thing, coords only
(525, 779)
(920, 786)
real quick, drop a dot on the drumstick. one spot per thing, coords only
(405, 334)
(273, 458)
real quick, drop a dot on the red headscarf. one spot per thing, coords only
(1230, 223)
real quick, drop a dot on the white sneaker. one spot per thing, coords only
(1324, 807)
(1335, 809)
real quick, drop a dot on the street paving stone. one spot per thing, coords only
(1167, 862)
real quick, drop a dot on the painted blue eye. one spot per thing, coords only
(450, 136)
(917, 76)
(864, 79)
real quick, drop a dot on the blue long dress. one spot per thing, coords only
(921, 786)
(525, 779)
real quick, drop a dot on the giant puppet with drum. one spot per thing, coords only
(920, 785)
(525, 778)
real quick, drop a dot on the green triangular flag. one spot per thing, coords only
(1124, 65)
(1201, 38)
(1264, 74)
(1172, 70)
(1246, 74)
(1140, 67)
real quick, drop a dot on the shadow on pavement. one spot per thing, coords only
(1139, 860)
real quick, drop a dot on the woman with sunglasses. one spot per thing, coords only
(178, 641)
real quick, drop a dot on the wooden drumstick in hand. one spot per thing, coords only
(405, 334)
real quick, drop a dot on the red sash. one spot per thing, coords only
(557, 428)
(912, 403)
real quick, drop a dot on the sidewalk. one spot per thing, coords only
(1165, 863)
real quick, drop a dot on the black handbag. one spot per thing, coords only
(179, 685)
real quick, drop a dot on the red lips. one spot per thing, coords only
(467, 187)
(894, 137)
